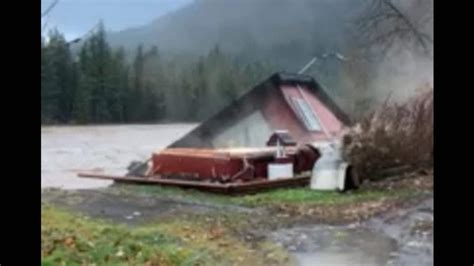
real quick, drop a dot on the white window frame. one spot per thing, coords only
(306, 114)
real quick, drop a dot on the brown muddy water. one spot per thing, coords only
(68, 150)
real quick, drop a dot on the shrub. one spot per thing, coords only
(393, 136)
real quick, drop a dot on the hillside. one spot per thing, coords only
(212, 50)
(284, 32)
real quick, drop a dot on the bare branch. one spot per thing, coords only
(49, 8)
(410, 25)
(384, 22)
(391, 34)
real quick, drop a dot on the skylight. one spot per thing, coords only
(306, 114)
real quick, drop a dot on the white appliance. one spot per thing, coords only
(329, 172)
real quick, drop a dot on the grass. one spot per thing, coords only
(71, 239)
(74, 240)
(218, 238)
(272, 198)
(311, 197)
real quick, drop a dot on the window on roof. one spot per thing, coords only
(306, 114)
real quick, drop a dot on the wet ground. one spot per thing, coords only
(68, 150)
(402, 237)
(413, 230)
(132, 209)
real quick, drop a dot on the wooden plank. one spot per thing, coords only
(229, 188)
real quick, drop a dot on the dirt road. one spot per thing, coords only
(401, 238)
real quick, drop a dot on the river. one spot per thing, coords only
(68, 150)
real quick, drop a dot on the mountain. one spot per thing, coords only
(287, 33)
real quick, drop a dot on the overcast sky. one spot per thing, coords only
(76, 17)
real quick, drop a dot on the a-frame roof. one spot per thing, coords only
(251, 101)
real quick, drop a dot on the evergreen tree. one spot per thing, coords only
(49, 88)
(102, 87)
(82, 100)
(99, 88)
(119, 89)
(58, 80)
(155, 81)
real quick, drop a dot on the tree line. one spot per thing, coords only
(102, 84)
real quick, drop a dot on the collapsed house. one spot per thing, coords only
(284, 101)
(272, 136)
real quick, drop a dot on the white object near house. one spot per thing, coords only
(330, 171)
(279, 170)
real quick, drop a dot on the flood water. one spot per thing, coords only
(68, 150)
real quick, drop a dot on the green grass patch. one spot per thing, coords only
(72, 239)
(76, 240)
(308, 196)
(270, 198)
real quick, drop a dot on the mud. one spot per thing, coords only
(404, 237)
(328, 245)
(130, 209)
(413, 230)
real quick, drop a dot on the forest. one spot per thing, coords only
(101, 84)
(188, 65)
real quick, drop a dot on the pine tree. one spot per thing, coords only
(135, 96)
(58, 83)
(155, 80)
(82, 100)
(97, 98)
(102, 87)
(117, 98)
(49, 89)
